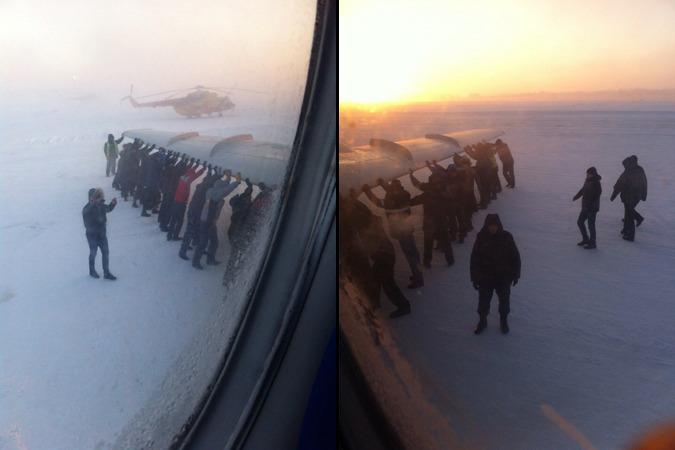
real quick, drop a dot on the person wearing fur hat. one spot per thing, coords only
(590, 205)
(495, 266)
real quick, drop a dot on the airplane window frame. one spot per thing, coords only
(302, 238)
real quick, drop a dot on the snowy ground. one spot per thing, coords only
(88, 363)
(592, 335)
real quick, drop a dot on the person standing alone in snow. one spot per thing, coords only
(111, 154)
(495, 266)
(590, 205)
(631, 187)
(94, 216)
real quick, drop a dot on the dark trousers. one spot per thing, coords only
(177, 212)
(509, 176)
(191, 233)
(95, 242)
(411, 255)
(587, 216)
(485, 292)
(165, 211)
(629, 216)
(208, 242)
(383, 273)
(110, 166)
(438, 233)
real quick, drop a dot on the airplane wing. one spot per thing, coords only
(257, 160)
(161, 139)
(388, 160)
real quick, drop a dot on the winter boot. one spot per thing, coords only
(482, 325)
(197, 265)
(400, 312)
(504, 324)
(589, 246)
(145, 214)
(182, 255)
(109, 276)
(582, 243)
(93, 273)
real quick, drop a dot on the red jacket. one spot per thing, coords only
(183, 189)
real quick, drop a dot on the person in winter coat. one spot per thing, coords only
(495, 266)
(590, 205)
(180, 200)
(194, 211)
(505, 156)
(94, 217)
(208, 232)
(396, 205)
(241, 206)
(631, 187)
(111, 153)
(435, 223)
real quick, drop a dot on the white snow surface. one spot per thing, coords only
(592, 332)
(94, 364)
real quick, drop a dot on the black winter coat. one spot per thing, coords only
(435, 206)
(94, 216)
(632, 184)
(495, 258)
(590, 194)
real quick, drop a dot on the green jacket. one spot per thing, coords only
(110, 150)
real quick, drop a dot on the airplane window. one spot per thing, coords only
(144, 160)
(506, 225)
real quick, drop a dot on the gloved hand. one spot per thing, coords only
(475, 286)
(515, 281)
(248, 182)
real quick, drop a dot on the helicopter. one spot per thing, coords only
(195, 102)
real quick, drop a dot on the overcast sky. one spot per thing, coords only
(392, 50)
(103, 46)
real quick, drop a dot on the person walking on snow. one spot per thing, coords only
(590, 205)
(94, 216)
(631, 187)
(505, 156)
(111, 153)
(495, 266)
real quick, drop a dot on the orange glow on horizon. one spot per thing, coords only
(396, 51)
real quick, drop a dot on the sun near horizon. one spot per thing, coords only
(397, 51)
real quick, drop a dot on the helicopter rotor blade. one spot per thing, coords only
(163, 92)
(223, 89)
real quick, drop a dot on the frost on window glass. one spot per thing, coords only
(205, 93)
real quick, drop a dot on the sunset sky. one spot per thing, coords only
(405, 50)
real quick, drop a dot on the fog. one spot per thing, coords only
(99, 48)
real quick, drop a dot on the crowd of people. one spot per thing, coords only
(159, 182)
(448, 200)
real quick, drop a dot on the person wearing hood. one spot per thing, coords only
(435, 223)
(208, 232)
(240, 205)
(396, 205)
(495, 266)
(631, 187)
(94, 217)
(111, 153)
(590, 205)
